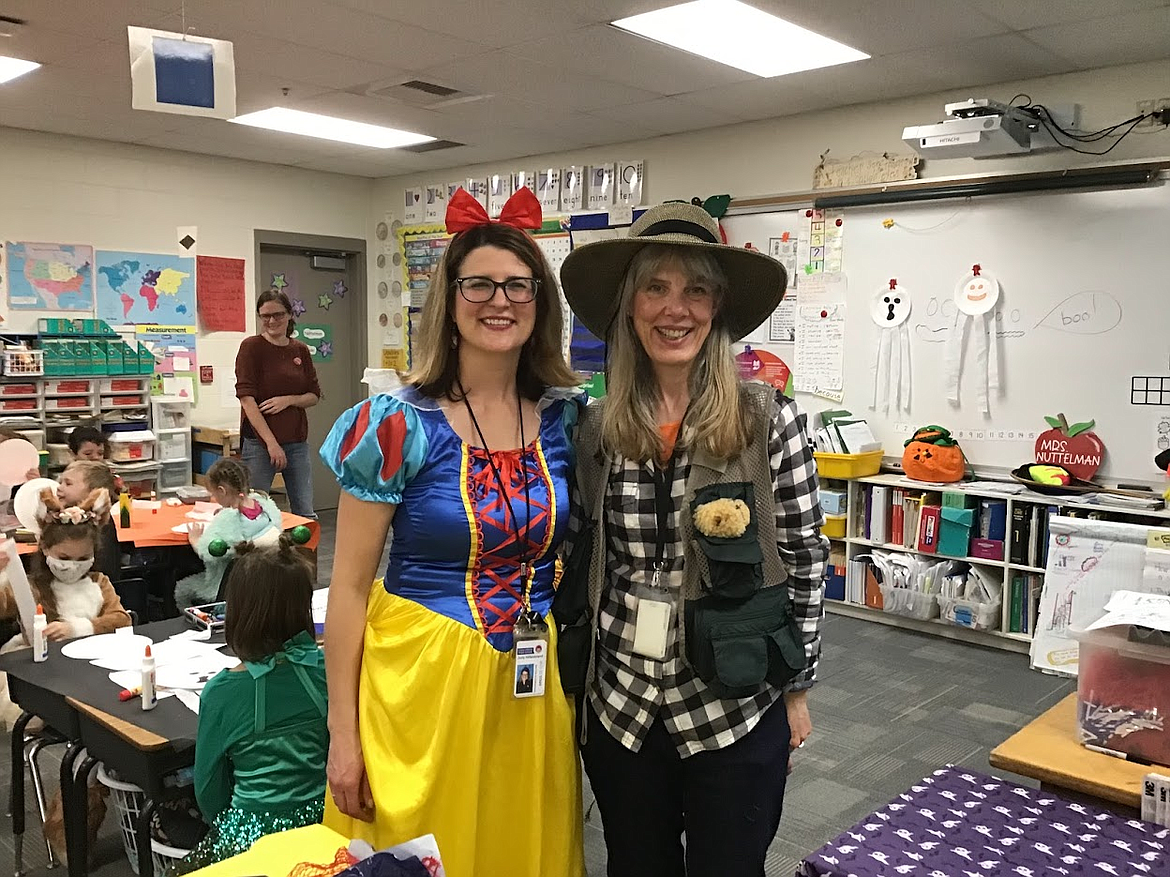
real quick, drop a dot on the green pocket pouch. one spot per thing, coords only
(735, 563)
(737, 646)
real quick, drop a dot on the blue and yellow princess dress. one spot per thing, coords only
(448, 749)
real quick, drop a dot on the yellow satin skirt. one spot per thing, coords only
(451, 752)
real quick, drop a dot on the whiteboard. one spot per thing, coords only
(1084, 310)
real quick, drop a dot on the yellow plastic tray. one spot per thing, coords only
(848, 465)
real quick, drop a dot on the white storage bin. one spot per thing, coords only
(911, 603)
(60, 455)
(968, 613)
(130, 447)
(174, 475)
(139, 479)
(171, 414)
(174, 447)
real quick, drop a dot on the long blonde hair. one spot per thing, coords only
(716, 422)
(542, 361)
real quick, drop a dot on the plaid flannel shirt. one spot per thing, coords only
(630, 691)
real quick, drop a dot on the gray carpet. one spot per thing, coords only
(889, 708)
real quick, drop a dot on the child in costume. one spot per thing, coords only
(79, 479)
(246, 516)
(262, 742)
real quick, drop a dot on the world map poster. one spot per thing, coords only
(145, 288)
(50, 277)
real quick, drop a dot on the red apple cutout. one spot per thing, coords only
(1074, 447)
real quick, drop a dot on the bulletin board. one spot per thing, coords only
(1081, 327)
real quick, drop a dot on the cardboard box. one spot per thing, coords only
(987, 549)
(834, 502)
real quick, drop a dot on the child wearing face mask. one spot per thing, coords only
(77, 601)
(246, 516)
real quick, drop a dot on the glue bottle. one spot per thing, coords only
(149, 697)
(40, 642)
(124, 509)
(153, 503)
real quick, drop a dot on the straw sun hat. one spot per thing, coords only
(592, 274)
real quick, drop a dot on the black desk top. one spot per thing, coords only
(68, 677)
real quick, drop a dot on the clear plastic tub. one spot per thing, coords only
(129, 447)
(910, 603)
(968, 613)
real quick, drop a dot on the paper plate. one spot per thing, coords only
(16, 457)
(24, 504)
(179, 528)
(104, 645)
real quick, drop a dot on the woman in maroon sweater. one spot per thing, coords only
(275, 383)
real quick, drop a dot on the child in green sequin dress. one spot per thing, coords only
(262, 741)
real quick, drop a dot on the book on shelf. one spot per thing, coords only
(928, 530)
(913, 516)
(879, 520)
(897, 516)
(1015, 618)
(1021, 523)
(993, 519)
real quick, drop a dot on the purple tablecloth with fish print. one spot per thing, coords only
(959, 823)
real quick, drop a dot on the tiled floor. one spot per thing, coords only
(890, 707)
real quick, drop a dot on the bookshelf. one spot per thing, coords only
(1028, 505)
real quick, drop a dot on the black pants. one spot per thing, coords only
(727, 801)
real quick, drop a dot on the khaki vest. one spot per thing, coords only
(752, 465)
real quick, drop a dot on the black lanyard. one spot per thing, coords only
(521, 544)
(663, 506)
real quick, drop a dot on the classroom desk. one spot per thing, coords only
(79, 701)
(958, 821)
(154, 529)
(1047, 749)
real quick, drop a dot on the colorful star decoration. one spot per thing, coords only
(298, 307)
(278, 281)
(339, 288)
(325, 349)
(323, 301)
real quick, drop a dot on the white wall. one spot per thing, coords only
(779, 155)
(122, 197)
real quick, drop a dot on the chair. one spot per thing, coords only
(134, 592)
(34, 743)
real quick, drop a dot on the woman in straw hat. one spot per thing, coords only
(697, 564)
(429, 734)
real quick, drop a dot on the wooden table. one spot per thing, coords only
(1048, 749)
(153, 529)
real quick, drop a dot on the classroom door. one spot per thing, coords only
(329, 307)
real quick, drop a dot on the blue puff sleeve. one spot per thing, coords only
(376, 448)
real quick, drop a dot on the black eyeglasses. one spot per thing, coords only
(477, 290)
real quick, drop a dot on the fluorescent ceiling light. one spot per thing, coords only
(330, 128)
(740, 36)
(10, 68)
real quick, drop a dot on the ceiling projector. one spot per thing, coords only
(984, 128)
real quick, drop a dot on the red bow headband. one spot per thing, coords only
(522, 210)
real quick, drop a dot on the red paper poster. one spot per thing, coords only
(219, 291)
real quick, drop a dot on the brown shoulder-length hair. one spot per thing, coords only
(269, 598)
(542, 360)
(280, 297)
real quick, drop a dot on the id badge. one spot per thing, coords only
(530, 650)
(652, 621)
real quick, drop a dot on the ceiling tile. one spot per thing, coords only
(505, 74)
(667, 115)
(491, 24)
(988, 60)
(618, 56)
(273, 57)
(341, 31)
(884, 28)
(106, 20)
(1021, 16)
(1102, 42)
(758, 99)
